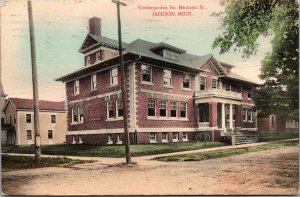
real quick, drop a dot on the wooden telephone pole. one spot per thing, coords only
(35, 87)
(123, 83)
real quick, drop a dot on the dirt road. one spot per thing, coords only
(265, 172)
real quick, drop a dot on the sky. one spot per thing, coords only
(60, 27)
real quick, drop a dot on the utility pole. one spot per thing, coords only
(35, 87)
(123, 83)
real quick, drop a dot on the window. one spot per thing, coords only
(244, 114)
(50, 134)
(204, 112)
(76, 87)
(167, 77)
(119, 108)
(226, 86)
(98, 56)
(183, 107)
(110, 110)
(202, 83)
(114, 76)
(93, 82)
(214, 83)
(28, 118)
(146, 73)
(153, 137)
(77, 114)
(109, 139)
(207, 67)
(87, 60)
(53, 119)
(164, 137)
(272, 121)
(227, 113)
(175, 136)
(151, 107)
(28, 135)
(15, 119)
(162, 108)
(184, 136)
(80, 111)
(249, 114)
(119, 139)
(186, 81)
(173, 109)
(250, 94)
(171, 55)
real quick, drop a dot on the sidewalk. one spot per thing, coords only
(142, 159)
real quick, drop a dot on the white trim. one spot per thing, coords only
(118, 139)
(95, 97)
(111, 76)
(166, 118)
(165, 93)
(92, 76)
(147, 83)
(74, 87)
(139, 130)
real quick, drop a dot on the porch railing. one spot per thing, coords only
(219, 93)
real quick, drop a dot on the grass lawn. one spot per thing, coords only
(10, 162)
(273, 136)
(112, 151)
(225, 153)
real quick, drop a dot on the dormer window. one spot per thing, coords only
(171, 55)
(99, 56)
(87, 60)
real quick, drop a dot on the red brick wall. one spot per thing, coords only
(213, 117)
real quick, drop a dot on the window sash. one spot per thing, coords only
(28, 118)
(120, 108)
(146, 73)
(93, 81)
(184, 136)
(153, 137)
(28, 135)
(109, 138)
(164, 136)
(110, 110)
(114, 76)
(76, 87)
(214, 83)
(183, 109)
(202, 83)
(175, 136)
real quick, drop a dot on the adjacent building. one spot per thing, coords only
(19, 122)
(171, 94)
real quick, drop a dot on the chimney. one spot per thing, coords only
(95, 26)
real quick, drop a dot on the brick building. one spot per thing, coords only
(19, 121)
(171, 94)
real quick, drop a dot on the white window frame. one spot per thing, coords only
(152, 107)
(201, 82)
(109, 139)
(119, 105)
(146, 69)
(177, 137)
(250, 112)
(172, 107)
(114, 72)
(186, 78)
(186, 111)
(93, 82)
(214, 85)
(108, 105)
(25, 119)
(80, 114)
(119, 139)
(171, 55)
(185, 136)
(154, 140)
(79, 111)
(76, 87)
(167, 78)
(244, 113)
(163, 106)
(166, 139)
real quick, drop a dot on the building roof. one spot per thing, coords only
(22, 104)
(149, 50)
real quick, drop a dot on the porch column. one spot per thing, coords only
(230, 117)
(223, 115)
